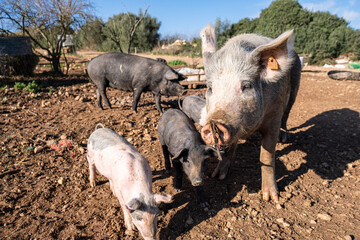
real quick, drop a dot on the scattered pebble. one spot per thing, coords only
(348, 237)
(61, 181)
(312, 221)
(38, 149)
(279, 206)
(324, 216)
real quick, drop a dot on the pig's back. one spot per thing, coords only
(117, 159)
(175, 127)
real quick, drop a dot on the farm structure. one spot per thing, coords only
(16, 56)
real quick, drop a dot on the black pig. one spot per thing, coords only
(194, 107)
(133, 73)
(180, 139)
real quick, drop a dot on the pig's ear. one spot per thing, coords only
(171, 75)
(159, 198)
(208, 43)
(180, 154)
(133, 205)
(211, 151)
(276, 57)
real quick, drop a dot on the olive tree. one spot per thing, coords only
(46, 22)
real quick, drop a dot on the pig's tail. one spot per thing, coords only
(99, 125)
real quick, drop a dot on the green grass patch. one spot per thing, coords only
(177, 62)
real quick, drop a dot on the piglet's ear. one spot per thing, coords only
(182, 153)
(159, 198)
(133, 205)
(275, 57)
(212, 151)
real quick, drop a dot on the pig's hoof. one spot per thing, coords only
(215, 172)
(268, 195)
(204, 204)
(283, 137)
(222, 176)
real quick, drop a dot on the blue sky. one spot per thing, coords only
(187, 17)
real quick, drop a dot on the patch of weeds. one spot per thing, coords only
(177, 62)
(4, 100)
(4, 87)
(32, 87)
(51, 90)
(19, 86)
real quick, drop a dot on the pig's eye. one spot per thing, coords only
(246, 86)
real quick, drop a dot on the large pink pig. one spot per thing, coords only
(130, 179)
(252, 83)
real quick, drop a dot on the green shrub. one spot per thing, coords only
(19, 86)
(32, 87)
(177, 62)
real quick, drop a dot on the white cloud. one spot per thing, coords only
(350, 15)
(352, 2)
(323, 6)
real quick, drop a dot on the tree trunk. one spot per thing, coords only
(55, 61)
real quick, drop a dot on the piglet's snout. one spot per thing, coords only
(222, 134)
(197, 182)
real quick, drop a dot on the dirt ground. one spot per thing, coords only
(45, 194)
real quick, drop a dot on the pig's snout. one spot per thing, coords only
(221, 133)
(197, 182)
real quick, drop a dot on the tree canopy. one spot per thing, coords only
(318, 34)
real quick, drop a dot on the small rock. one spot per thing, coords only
(61, 181)
(307, 203)
(81, 150)
(286, 224)
(50, 142)
(77, 98)
(129, 139)
(280, 220)
(348, 237)
(312, 221)
(279, 206)
(62, 137)
(324, 216)
(189, 220)
(147, 137)
(38, 149)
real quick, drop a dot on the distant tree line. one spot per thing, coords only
(319, 35)
(115, 34)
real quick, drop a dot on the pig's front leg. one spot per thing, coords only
(166, 158)
(223, 165)
(157, 98)
(200, 196)
(137, 94)
(267, 160)
(178, 175)
(127, 218)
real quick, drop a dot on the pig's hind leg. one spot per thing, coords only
(137, 94)
(92, 172)
(101, 94)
